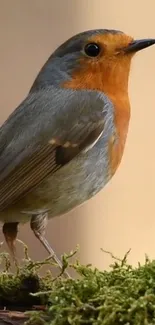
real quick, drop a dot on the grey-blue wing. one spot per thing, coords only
(46, 131)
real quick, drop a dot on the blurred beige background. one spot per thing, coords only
(122, 216)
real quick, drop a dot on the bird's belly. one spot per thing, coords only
(69, 187)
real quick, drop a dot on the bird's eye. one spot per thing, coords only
(92, 49)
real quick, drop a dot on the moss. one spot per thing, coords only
(123, 295)
(17, 289)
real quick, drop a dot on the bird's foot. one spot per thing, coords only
(38, 224)
(1, 243)
(10, 231)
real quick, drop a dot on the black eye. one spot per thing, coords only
(92, 49)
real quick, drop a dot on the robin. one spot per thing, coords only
(65, 141)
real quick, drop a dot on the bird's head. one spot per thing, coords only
(95, 59)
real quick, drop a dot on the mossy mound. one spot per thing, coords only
(124, 295)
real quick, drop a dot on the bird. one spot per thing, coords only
(65, 140)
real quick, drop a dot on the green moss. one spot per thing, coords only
(124, 295)
(15, 288)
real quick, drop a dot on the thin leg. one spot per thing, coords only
(10, 231)
(38, 225)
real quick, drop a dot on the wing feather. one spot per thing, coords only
(43, 134)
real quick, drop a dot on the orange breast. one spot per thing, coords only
(115, 86)
(122, 117)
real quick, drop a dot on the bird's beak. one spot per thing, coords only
(138, 45)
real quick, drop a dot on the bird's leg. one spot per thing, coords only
(10, 230)
(38, 224)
